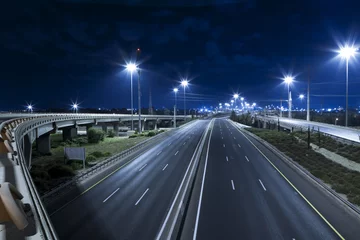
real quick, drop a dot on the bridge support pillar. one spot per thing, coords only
(116, 129)
(264, 124)
(43, 143)
(69, 133)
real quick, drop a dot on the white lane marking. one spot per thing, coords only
(232, 183)
(158, 153)
(234, 137)
(247, 159)
(222, 138)
(143, 167)
(111, 195)
(165, 167)
(141, 197)
(224, 145)
(169, 143)
(176, 152)
(239, 145)
(202, 188)
(262, 185)
(184, 143)
(230, 132)
(227, 159)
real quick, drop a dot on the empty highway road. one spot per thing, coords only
(241, 194)
(133, 202)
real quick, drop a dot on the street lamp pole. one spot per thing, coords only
(308, 101)
(184, 83)
(175, 91)
(139, 92)
(347, 92)
(132, 101)
(289, 96)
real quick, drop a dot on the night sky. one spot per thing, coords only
(55, 52)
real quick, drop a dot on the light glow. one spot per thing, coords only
(131, 67)
(347, 52)
(175, 90)
(236, 96)
(301, 96)
(184, 83)
(288, 79)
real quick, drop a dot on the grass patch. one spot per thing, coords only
(351, 152)
(341, 179)
(49, 170)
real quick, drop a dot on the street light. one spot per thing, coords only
(30, 108)
(184, 83)
(347, 52)
(131, 67)
(301, 96)
(175, 92)
(288, 80)
(336, 119)
(75, 107)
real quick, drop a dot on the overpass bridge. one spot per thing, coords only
(349, 134)
(20, 204)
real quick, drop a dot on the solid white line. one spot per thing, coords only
(227, 159)
(141, 197)
(262, 184)
(202, 188)
(169, 143)
(158, 153)
(224, 145)
(165, 167)
(142, 167)
(111, 195)
(234, 137)
(232, 183)
(239, 145)
(247, 159)
(222, 138)
(176, 152)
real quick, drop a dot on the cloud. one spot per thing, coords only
(237, 46)
(196, 24)
(131, 31)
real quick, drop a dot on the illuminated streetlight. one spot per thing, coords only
(184, 83)
(288, 80)
(75, 107)
(131, 67)
(30, 108)
(301, 96)
(175, 92)
(347, 52)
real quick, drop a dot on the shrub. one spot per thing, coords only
(97, 154)
(136, 132)
(95, 135)
(111, 133)
(151, 134)
(76, 165)
(90, 158)
(133, 136)
(59, 171)
(107, 154)
(80, 140)
(39, 173)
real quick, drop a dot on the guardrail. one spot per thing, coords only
(315, 128)
(16, 128)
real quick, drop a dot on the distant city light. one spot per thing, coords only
(242, 99)
(236, 96)
(232, 101)
(75, 106)
(301, 96)
(30, 107)
(176, 90)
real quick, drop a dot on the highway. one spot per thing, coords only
(240, 194)
(338, 131)
(133, 202)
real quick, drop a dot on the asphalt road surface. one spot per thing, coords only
(133, 202)
(243, 196)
